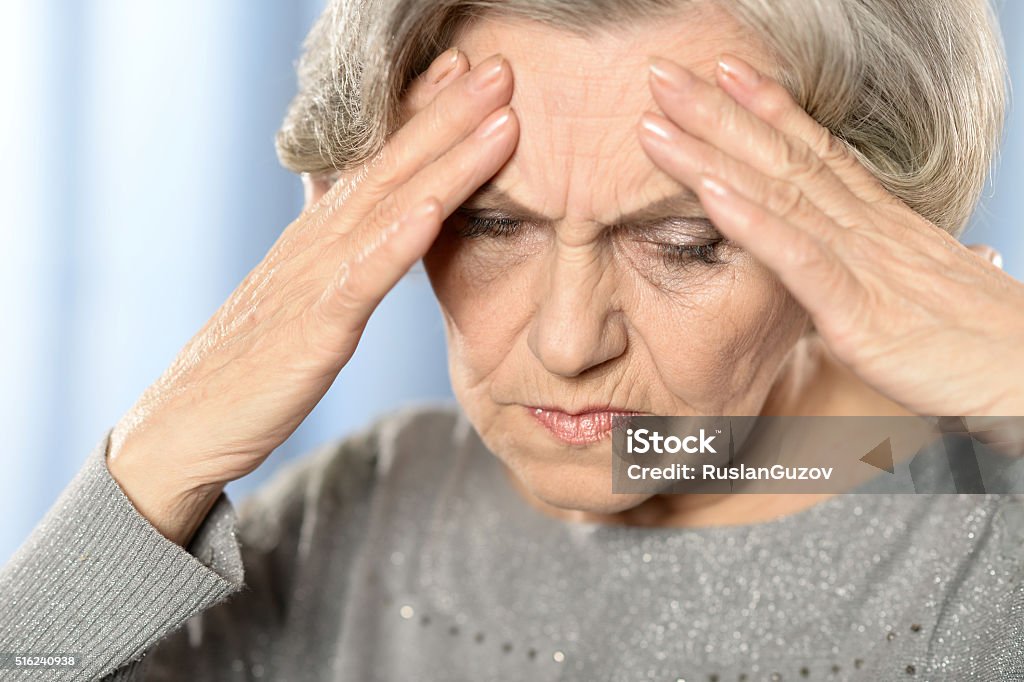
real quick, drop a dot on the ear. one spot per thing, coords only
(314, 187)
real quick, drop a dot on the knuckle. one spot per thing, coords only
(343, 292)
(709, 112)
(786, 199)
(381, 172)
(829, 147)
(726, 117)
(798, 161)
(339, 193)
(387, 211)
(805, 254)
(340, 297)
(710, 160)
(774, 104)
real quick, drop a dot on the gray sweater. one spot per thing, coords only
(402, 553)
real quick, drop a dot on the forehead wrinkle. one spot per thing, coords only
(578, 99)
(489, 196)
(598, 160)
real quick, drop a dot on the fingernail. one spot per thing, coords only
(493, 123)
(714, 185)
(443, 65)
(667, 73)
(997, 260)
(652, 124)
(485, 75)
(738, 70)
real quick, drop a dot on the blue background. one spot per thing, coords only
(139, 186)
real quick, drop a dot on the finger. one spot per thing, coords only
(709, 114)
(375, 266)
(688, 160)
(421, 90)
(765, 97)
(419, 93)
(988, 253)
(378, 252)
(809, 269)
(447, 120)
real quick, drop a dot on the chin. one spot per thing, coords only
(567, 476)
(591, 501)
(555, 479)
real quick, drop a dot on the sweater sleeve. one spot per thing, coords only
(95, 580)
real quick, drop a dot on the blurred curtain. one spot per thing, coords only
(139, 186)
(999, 220)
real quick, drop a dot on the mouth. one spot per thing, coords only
(581, 427)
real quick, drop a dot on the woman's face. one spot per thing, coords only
(581, 302)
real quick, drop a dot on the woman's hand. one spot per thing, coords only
(927, 322)
(261, 363)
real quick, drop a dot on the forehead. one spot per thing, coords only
(579, 99)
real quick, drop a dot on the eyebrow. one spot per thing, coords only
(490, 197)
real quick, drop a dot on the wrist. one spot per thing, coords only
(159, 491)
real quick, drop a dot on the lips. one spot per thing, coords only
(580, 428)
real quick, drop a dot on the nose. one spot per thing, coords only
(577, 325)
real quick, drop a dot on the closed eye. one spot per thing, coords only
(475, 225)
(663, 235)
(681, 254)
(681, 241)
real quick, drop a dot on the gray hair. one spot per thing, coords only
(916, 88)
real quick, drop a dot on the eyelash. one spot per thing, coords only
(673, 254)
(685, 253)
(489, 227)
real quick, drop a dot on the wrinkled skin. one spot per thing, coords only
(566, 312)
(571, 314)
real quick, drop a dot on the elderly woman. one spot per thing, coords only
(646, 207)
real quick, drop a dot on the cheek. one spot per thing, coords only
(484, 299)
(711, 340)
(718, 346)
